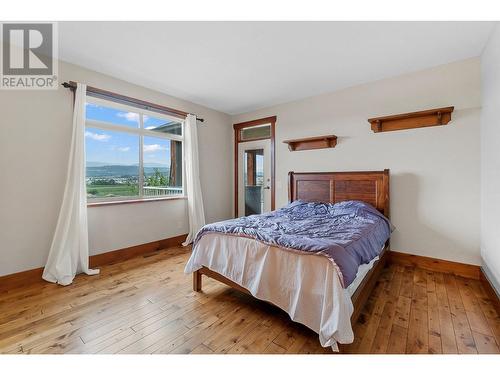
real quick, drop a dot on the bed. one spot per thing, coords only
(309, 286)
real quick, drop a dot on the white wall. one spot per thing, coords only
(435, 179)
(490, 158)
(35, 131)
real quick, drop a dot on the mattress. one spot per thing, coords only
(312, 294)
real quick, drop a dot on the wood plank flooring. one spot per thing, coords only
(146, 305)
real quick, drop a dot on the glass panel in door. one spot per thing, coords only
(254, 181)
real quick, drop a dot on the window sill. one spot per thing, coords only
(130, 201)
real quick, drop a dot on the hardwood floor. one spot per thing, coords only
(146, 305)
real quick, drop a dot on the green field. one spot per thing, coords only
(101, 191)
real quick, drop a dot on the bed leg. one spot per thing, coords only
(197, 281)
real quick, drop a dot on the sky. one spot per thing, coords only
(113, 148)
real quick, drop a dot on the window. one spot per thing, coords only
(131, 153)
(255, 132)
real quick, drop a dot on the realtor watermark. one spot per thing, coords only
(29, 56)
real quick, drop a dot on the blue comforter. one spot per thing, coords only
(349, 233)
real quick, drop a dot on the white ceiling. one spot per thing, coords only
(237, 67)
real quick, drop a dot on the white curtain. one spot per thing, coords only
(69, 253)
(193, 187)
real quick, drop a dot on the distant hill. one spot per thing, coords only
(102, 164)
(96, 169)
(154, 165)
(96, 164)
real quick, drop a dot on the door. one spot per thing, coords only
(254, 177)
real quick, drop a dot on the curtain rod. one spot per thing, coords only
(127, 99)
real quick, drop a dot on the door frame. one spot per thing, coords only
(237, 139)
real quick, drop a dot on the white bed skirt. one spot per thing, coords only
(306, 286)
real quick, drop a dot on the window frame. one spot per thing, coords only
(141, 132)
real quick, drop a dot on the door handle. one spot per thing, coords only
(267, 187)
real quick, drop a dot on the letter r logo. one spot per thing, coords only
(29, 49)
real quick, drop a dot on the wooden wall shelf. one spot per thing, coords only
(312, 143)
(421, 119)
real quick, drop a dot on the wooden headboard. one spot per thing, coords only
(370, 187)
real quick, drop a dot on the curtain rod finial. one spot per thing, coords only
(68, 85)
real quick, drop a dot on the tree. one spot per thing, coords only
(157, 179)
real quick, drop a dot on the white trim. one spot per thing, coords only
(173, 137)
(112, 127)
(163, 116)
(141, 157)
(137, 131)
(134, 198)
(183, 165)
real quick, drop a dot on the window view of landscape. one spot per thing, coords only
(113, 157)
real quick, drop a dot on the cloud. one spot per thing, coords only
(122, 149)
(129, 116)
(97, 137)
(154, 147)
